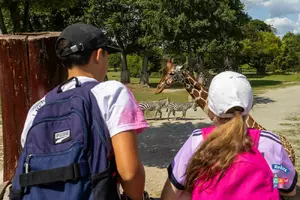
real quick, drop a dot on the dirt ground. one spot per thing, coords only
(277, 110)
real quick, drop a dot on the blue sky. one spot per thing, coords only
(284, 15)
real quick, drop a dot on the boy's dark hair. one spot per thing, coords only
(79, 59)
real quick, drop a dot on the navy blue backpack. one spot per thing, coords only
(67, 154)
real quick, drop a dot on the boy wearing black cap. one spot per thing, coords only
(112, 119)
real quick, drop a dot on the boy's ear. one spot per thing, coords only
(96, 55)
(100, 53)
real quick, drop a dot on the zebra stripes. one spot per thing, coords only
(179, 106)
(154, 105)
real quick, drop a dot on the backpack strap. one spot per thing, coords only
(71, 172)
(59, 89)
(255, 135)
(206, 131)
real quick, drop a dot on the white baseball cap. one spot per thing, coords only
(227, 90)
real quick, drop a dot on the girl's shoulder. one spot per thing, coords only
(196, 139)
(269, 139)
(197, 132)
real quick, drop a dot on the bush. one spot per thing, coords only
(271, 67)
(134, 63)
(114, 61)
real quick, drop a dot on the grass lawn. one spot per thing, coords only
(259, 84)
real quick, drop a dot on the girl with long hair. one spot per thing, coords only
(228, 161)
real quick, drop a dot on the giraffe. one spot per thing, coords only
(199, 93)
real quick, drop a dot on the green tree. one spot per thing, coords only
(10, 14)
(289, 57)
(223, 52)
(121, 19)
(25, 15)
(195, 28)
(225, 48)
(261, 51)
(114, 61)
(255, 25)
(150, 39)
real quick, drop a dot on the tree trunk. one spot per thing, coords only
(261, 70)
(200, 66)
(2, 24)
(125, 74)
(115, 67)
(26, 17)
(144, 78)
(231, 64)
(227, 64)
(15, 16)
(30, 26)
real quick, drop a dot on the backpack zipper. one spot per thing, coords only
(30, 156)
(26, 164)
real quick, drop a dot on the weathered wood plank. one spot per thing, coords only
(29, 68)
(13, 62)
(45, 72)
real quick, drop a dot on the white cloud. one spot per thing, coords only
(251, 3)
(276, 8)
(284, 25)
(281, 7)
(278, 11)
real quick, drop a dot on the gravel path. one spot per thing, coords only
(276, 110)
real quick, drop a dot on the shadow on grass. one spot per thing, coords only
(262, 100)
(262, 83)
(254, 75)
(159, 145)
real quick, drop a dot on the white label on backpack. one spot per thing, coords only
(61, 137)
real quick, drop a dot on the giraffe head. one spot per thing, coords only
(172, 73)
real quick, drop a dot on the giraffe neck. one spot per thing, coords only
(196, 90)
(200, 94)
(253, 124)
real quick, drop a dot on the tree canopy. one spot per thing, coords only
(210, 34)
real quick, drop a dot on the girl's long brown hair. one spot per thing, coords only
(218, 151)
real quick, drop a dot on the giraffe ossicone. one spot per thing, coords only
(199, 93)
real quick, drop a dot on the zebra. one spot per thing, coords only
(154, 105)
(179, 106)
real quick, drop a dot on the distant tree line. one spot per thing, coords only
(209, 34)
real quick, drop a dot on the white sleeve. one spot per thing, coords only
(30, 118)
(119, 108)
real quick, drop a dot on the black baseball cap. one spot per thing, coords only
(83, 37)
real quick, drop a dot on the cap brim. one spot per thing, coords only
(111, 49)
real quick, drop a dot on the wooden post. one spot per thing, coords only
(29, 68)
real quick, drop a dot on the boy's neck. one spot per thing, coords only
(75, 72)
